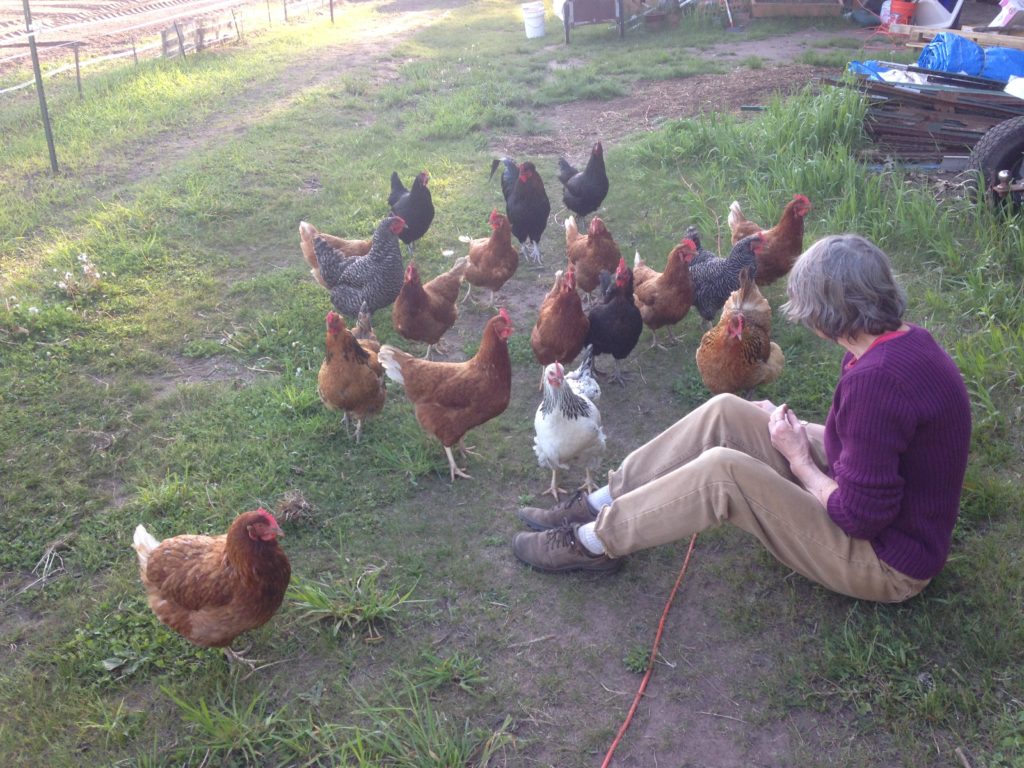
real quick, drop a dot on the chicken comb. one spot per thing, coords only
(270, 517)
(503, 314)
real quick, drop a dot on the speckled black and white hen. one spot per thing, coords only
(375, 278)
(715, 279)
(703, 254)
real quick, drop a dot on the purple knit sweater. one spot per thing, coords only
(897, 438)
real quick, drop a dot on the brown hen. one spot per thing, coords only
(561, 327)
(425, 311)
(664, 298)
(210, 589)
(738, 354)
(590, 253)
(782, 243)
(351, 380)
(492, 260)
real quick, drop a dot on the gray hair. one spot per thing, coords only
(843, 286)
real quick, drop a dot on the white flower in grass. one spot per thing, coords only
(33, 310)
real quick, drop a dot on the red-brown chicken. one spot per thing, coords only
(782, 243)
(351, 380)
(210, 589)
(492, 260)
(738, 354)
(561, 327)
(452, 398)
(590, 253)
(664, 298)
(308, 236)
(425, 312)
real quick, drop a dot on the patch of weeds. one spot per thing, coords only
(458, 669)
(123, 640)
(350, 602)
(637, 659)
(752, 62)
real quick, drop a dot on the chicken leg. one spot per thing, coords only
(554, 490)
(455, 469)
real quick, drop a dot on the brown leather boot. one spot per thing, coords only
(573, 509)
(560, 550)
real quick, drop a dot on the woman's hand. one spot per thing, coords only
(789, 436)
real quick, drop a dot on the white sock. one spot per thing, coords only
(587, 536)
(599, 499)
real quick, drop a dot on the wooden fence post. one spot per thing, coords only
(284, 4)
(332, 11)
(269, 19)
(135, 53)
(238, 27)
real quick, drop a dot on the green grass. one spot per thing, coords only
(170, 380)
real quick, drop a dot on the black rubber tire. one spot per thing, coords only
(1000, 149)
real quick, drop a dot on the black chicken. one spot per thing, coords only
(375, 278)
(526, 204)
(414, 205)
(715, 278)
(615, 323)
(584, 190)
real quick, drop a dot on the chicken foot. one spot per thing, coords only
(236, 657)
(554, 490)
(588, 485)
(453, 467)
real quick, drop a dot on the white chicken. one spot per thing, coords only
(568, 429)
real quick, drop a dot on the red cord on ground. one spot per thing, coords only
(654, 655)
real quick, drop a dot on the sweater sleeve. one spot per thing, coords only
(874, 423)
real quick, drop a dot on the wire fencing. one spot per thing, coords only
(144, 30)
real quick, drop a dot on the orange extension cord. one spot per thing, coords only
(654, 655)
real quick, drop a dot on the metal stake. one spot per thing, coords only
(39, 86)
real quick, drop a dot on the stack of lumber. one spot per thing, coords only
(946, 115)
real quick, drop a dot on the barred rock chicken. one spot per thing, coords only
(585, 190)
(425, 312)
(452, 398)
(526, 204)
(782, 243)
(415, 206)
(582, 379)
(737, 354)
(363, 331)
(615, 322)
(664, 298)
(375, 278)
(492, 260)
(351, 380)
(210, 589)
(568, 429)
(590, 253)
(703, 254)
(715, 279)
(308, 237)
(561, 327)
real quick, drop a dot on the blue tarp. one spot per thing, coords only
(949, 52)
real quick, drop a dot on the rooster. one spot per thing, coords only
(415, 206)
(590, 253)
(210, 589)
(526, 204)
(567, 427)
(426, 312)
(492, 260)
(738, 354)
(615, 323)
(664, 298)
(308, 238)
(452, 398)
(375, 278)
(561, 326)
(715, 279)
(351, 380)
(782, 243)
(585, 190)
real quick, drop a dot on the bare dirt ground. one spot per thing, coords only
(706, 706)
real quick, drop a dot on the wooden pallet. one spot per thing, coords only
(918, 37)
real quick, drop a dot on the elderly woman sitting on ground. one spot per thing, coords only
(864, 504)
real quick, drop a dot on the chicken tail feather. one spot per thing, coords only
(144, 543)
(775, 362)
(389, 357)
(735, 214)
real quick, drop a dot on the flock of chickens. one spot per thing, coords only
(451, 398)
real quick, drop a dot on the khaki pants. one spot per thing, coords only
(717, 465)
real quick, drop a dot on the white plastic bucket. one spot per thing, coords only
(533, 18)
